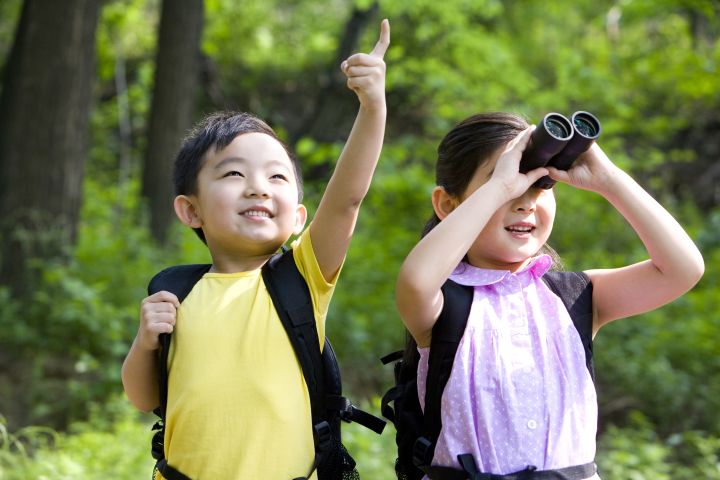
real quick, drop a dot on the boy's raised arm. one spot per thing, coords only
(334, 221)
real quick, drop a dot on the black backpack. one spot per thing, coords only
(291, 298)
(417, 433)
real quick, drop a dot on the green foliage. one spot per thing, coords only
(638, 453)
(107, 448)
(648, 69)
(66, 347)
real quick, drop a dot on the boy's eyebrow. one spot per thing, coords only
(228, 160)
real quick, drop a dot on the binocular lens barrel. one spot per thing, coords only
(586, 124)
(546, 141)
(584, 130)
(587, 129)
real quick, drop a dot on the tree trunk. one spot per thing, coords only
(44, 117)
(176, 78)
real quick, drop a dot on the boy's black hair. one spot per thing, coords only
(217, 131)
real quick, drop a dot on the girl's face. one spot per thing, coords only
(517, 230)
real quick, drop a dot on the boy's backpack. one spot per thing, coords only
(291, 298)
(417, 433)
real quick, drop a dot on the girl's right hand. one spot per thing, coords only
(158, 314)
(507, 167)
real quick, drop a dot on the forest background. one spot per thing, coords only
(96, 95)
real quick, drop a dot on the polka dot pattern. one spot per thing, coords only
(519, 393)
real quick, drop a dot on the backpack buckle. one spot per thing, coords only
(322, 434)
(421, 450)
(346, 410)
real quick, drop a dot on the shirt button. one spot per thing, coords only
(532, 424)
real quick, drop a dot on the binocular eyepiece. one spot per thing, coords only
(557, 142)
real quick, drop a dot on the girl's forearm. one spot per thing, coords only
(671, 250)
(424, 268)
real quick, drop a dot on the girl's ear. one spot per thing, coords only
(300, 218)
(443, 202)
(186, 211)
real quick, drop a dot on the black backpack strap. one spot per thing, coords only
(446, 334)
(291, 298)
(575, 290)
(178, 280)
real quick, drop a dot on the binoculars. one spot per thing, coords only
(557, 142)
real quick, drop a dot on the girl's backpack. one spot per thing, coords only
(291, 298)
(417, 432)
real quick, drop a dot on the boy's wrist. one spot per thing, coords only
(377, 107)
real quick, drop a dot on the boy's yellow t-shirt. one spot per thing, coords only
(238, 406)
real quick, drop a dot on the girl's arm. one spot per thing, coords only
(158, 313)
(334, 222)
(430, 263)
(675, 263)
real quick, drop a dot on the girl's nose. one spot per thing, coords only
(527, 201)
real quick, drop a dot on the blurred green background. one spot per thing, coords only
(85, 144)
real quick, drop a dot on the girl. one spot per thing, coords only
(519, 393)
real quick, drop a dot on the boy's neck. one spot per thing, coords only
(225, 264)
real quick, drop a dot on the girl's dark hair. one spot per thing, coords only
(466, 147)
(217, 131)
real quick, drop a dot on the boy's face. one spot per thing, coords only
(247, 198)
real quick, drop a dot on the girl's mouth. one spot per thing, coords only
(520, 229)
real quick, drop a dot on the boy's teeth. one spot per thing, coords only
(520, 229)
(254, 213)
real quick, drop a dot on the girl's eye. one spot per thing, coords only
(233, 173)
(279, 176)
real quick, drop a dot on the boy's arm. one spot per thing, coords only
(140, 368)
(334, 222)
(675, 263)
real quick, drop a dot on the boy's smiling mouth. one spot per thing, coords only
(257, 212)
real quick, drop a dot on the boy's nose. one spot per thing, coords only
(257, 188)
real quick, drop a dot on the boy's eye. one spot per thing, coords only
(279, 176)
(233, 173)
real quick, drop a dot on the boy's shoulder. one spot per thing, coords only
(178, 279)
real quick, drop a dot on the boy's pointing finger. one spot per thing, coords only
(384, 41)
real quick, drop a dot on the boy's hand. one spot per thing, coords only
(158, 313)
(366, 71)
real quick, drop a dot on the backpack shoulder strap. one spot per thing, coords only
(291, 297)
(446, 334)
(575, 290)
(178, 280)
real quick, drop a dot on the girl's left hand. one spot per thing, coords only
(592, 171)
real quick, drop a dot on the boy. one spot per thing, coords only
(237, 405)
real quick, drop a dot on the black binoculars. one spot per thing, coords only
(557, 142)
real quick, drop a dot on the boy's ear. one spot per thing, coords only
(186, 211)
(443, 202)
(300, 218)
